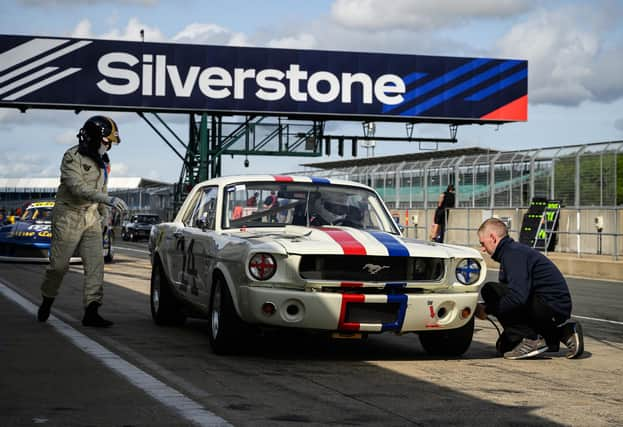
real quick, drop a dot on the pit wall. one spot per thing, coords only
(581, 250)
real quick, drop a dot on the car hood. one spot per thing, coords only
(350, 241)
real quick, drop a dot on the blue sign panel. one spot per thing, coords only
(42, 72)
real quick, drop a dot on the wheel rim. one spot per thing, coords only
(216, 309)
(155, 294)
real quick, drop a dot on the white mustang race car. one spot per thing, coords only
(310, 253)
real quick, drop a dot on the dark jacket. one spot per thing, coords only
(530, 273)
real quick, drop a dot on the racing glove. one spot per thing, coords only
(117, 203)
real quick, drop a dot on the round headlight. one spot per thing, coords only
(468, 271)
(262, 266)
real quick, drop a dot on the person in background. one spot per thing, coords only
(252, 201)
(442, 212)
(81, 202)
(531, 300)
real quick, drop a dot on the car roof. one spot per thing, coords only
(233, 179)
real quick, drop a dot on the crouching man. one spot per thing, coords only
(531, 300)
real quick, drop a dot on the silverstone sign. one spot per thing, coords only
(42, 72)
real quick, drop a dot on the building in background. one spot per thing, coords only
(141, 194)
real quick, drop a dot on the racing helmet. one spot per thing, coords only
(97, 129)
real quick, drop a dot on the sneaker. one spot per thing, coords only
(573, 338)
(527, 348)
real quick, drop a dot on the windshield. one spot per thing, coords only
(147, 219)
(38, 214)
(272, 204)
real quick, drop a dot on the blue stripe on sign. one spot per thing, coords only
(410, 78)
(479, 96)
(319, 180)
(452, 92)
(439, 81)
(394, 247)
(400, 318)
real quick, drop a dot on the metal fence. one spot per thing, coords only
(577, 227)
(578, 176)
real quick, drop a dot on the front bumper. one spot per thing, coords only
(357, 312)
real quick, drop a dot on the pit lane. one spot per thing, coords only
(284, 379)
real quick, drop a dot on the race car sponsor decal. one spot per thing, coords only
(41, 205)
(39, 227)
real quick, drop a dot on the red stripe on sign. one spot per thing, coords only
(283, 178)
(516, 110)
(346, 299)
(349, 244)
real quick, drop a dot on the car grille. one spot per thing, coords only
(371, 268)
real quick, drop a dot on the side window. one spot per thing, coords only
(204, 214)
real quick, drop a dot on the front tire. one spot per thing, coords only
(450, 342)
(225, 326)
(165, 309)
(110, 253)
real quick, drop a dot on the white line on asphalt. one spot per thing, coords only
(166, 395)
(597, 320)
(131, 249)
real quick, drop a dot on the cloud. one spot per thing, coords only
(618, 124)
(567, 61)
(421, 15)
(67, 137)
(18, 165)
(210, 34)
(131, 32)
(299, 41)
(45, 3)
(119, 169)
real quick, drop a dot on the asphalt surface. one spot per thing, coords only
(144, 375)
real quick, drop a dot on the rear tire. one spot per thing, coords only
(165, 309)
(226, 328)
(450, 342)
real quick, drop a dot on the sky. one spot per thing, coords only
(574, 51)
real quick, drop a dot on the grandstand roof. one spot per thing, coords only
(407, 157)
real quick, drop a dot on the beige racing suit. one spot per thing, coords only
(76, 225)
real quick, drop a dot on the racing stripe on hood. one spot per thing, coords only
(393, 245)
(349, 244)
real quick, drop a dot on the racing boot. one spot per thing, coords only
(92, 317)
(44, 309)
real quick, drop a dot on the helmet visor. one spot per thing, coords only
(113, 137)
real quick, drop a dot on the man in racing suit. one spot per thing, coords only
(81, 202)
